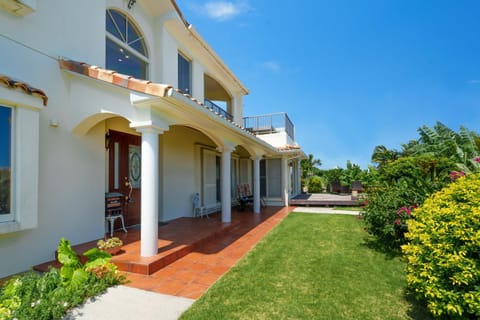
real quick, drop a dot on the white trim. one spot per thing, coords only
(25, 172)
(124, 45)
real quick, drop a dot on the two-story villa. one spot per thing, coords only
(124, 96)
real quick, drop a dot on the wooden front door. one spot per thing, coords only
(124, 172)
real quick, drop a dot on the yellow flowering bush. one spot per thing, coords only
(443, 253)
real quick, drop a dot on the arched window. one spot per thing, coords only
(126, 51)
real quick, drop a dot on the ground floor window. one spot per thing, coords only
(211, 189)
(271, 178)
(5, 163)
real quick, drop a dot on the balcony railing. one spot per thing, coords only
(212, 106)
(270, 123)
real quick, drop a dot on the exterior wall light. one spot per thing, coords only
(54, 123)
(107, 140)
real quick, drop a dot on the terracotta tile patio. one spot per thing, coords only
(193, 252)
(191, 275)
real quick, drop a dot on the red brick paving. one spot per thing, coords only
(191, 275)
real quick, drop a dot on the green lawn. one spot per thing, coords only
(311, 267)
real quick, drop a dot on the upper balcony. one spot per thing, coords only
(217, 109)
(276, 128)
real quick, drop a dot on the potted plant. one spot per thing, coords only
(112, 245)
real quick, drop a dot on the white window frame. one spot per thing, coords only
(126, 45)
(190, 72)
(25, 159)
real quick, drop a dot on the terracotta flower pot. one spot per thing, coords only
(113, 251)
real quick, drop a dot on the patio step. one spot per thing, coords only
(129, 259)
(150, 265)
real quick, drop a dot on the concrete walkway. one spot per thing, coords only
(123, 302)
(325, 210)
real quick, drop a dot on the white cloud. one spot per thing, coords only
(473, 81)
(272, 66)
(224, 10)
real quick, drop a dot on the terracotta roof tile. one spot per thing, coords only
(288, 147)
(131, 83)
(23, 86)
(122, 80)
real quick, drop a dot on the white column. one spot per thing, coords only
(149, 193)
(226, 184)
(298, 181)
(285, 181)
(256, 184)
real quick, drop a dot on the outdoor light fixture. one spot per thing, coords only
(107, 140)
(54, 123)
(131, 3)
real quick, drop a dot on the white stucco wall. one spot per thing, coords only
(71, 168)
(180, 171)
(59, 32)
(278, 139)
(72, 158)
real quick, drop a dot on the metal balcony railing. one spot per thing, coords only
(212, 106)
(270, 123)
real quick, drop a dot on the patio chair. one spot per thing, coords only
(113, 210)
(198, 210)
(244, 195)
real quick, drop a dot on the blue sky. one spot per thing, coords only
(4, 137)
(350, 74)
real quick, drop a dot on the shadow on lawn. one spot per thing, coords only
(418, 309)
(389, 251)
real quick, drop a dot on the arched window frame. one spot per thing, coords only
(124, 42)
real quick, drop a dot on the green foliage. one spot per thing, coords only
(383, 156)
(309, 165)
(441, 141)
(346, 176)
(71, 272)
(351, 173)
(315, 184)
(403, 183)
(443, 259)
(309, 169)
(50, 296)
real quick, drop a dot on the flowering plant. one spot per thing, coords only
(404, 213)
(109, 243)
(454, 175)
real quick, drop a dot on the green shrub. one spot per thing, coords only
(51, 295)
(443, 255)
(404, 183)
(315, 184)
(384, 215)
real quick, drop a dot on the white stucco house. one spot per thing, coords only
(100, 95)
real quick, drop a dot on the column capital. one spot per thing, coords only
(147, 127)
(256, 157)
(226, 148)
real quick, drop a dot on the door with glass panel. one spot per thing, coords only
(124, 172)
